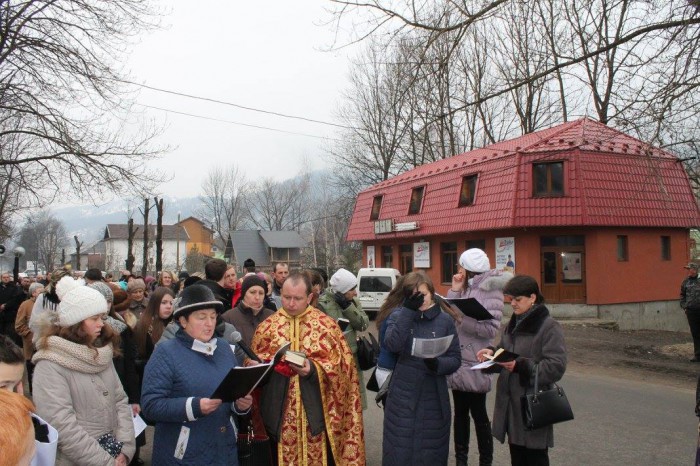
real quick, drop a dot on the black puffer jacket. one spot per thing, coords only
(417, 414)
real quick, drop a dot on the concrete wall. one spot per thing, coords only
(655, 315)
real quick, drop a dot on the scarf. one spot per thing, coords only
(75, 356)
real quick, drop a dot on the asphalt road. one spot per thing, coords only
(617, 422)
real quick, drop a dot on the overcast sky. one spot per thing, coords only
(270, 55)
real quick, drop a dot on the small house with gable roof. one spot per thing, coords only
(600, 218)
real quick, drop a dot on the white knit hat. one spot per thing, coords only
(343, 281)
(78, 302)
(475, 260)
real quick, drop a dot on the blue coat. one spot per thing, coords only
(174, 373)
(417, 414)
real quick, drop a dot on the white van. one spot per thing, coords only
(374, 286)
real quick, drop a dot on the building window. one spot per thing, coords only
(622, 248)
(466, 193)
(387, 257)
(448, 251)
(476, 243)
(376, 207)
(416, 200)
(548, 179)
(665, 248)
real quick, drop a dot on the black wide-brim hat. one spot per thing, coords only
(196, 298)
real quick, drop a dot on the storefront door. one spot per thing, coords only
(563, 269)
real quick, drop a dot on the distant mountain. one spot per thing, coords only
(89, 222)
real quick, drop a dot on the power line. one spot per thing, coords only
(238, 123)
(231, 104)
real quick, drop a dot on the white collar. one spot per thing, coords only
(206, 348)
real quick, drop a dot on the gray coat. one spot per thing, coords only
(487, 288)
(537, 339)
(82, 407)
(417, 413)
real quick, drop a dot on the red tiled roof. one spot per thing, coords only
(612, 179)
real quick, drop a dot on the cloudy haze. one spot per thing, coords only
(268, 55)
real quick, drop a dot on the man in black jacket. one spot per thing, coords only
(214, 270)
(690, 302)
(11, 296)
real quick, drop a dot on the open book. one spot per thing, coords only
(470, 307)
(501, 355)
(240, 381)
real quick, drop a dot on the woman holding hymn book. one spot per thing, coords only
(538, 341)
(475, 279)
(181, 375)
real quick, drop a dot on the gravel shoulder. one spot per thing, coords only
(652, 356)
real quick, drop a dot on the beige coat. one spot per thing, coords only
(82, 400)
(22, 327)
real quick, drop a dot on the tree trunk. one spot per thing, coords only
(147, 208)
(159, 234)
(130, 259)
(78, 245)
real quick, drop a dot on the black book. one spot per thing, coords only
(343, 323)
(503, 355)
(470, 307)
(240, 381)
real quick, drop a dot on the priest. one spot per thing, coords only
(312, 412)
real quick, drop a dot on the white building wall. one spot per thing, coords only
(116, 252)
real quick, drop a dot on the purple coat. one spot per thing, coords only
(487, 288)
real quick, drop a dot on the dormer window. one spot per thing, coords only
(416, 200)
(467, 191)
(376, 207)
(548, 179)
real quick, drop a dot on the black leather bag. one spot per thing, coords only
(545, 407)
(367, 351)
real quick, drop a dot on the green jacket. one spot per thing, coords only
(354, 313)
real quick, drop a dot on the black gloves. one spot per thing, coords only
(414, 302)
(431, 363)
(342, 301)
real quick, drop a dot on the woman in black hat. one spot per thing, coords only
(192, 428)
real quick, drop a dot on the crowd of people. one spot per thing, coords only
(99, 351)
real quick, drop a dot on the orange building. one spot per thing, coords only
(600, 218)
(201, 236)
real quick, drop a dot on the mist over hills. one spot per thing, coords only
(89, 222)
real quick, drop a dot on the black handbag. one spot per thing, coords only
(542, 408)
(367, 351)
(254, 449)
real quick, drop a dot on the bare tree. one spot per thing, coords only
(224, 199)
(280, 205)
(43, 236)
(65, 100)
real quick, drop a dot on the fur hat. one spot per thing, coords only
(78, 302)
(196, 298)
(475, 260)
(343, 281)
(135, 284)
(121, 300)
(251, 281)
